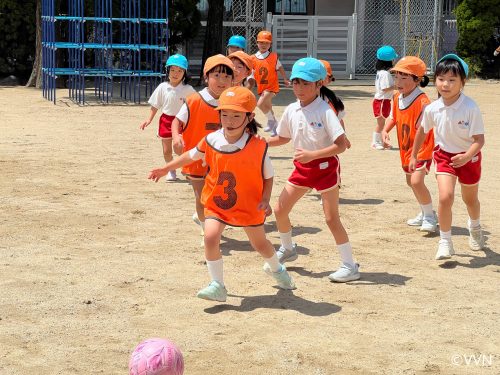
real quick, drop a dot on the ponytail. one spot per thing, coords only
(325, 92)
(424, 81)
(252, 125)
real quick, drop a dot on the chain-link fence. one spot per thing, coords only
(412, 27)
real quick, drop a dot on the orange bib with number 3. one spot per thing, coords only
(265, 73)
(234, 184)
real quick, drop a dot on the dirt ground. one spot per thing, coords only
(95, 258)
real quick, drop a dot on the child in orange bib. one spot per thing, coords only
(406, 114)
(237, 188)
(197, 118)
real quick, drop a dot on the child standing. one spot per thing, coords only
(236, 43)
(406, 114)
(197, 118)
(169, 97)
(266, 65)
(384, 86)
(318, 138)
(237, 188)
(459, 131)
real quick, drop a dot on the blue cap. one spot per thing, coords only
(237, 41)
(177, 60)
(309, 69)
(386, 53)
(452, 56)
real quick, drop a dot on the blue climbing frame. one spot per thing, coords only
(129, 50)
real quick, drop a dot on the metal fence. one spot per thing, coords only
(412, 27)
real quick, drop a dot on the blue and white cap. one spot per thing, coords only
(309, 69)
(387, 53)
(237, 41)
(452, 56)
(177, 60)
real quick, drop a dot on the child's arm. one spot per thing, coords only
(266, 197)
(152, 114)
(283, 75)
(181, 161)
(461, 159)
(389, 124)
(277, 141)
(305, 156)
(177, 141)
(347, 141)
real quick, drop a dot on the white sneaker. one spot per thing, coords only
(476, 239)
(416, 221)
(345, 273)
(287, 255)
(445, 250)
(429, 223)
(378, 146)
(171, 176)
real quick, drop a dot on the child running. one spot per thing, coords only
(266, 65)
(406, 114)
(384, 86)
(243, 65)
(318, 138)
(459, 132)
(237, 188)
(333, 100)
(197, 118)
(169, 97)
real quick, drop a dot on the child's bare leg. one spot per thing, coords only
(167, 149)
(416, 181)
(446, 188)
(380, 124)
(470, 197)
(288, 197)
(377, 134)
(197, 188)
(331, 209)
(213, 233)
(265, 102)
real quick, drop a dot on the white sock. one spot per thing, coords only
(202, 224)
(377, 137)
(345, 251)
(274, 263)
(270, 116)
(286, 240)
(445, 235)
(216, 270)
(474, 224)
(427, 210)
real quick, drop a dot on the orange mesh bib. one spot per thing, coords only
(265, 73)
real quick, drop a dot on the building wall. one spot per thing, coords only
(334, 7)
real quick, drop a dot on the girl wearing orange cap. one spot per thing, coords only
(243, 65)
(197, 118)
(266, 65)
(237, 188)
(406, 114)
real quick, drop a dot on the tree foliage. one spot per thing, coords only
(184, 22)
(477, 22)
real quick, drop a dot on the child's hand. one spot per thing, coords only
(386, 139)
(144, 124)
(459, 160)
(264, 205)
(178, 145)
(303, 156)
(413, 165)
(158, 173)
(287, 82)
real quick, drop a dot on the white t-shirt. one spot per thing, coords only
(383, 80)
(312, 127)
(219, 142)
(262, 56)
(405, 102)
(169, 99)
(183, 114)
(453, 125)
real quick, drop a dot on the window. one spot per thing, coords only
(289, 6)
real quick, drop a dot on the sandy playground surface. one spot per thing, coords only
(95, 258)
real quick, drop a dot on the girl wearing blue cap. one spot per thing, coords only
(459, 137)
(384, 87)
(236, 43)
(318, 138)
(169, 97)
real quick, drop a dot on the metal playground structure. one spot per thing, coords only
(119, 46)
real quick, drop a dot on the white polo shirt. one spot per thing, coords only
(312, 127)
(453, 125)
(183, 114)
(262, 56)
(219, 142)
(169, 99)
(383, 80)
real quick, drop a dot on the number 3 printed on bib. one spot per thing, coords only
(229, 201)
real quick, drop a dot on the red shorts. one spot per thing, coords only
(381, 107)
(421, 164)
(165, 127)
(468, 174)
(320, 174)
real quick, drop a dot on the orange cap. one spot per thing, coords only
(237, 98)
(410, 65)
(264, 36)
(243, 57)
(215, 60)
(327, 66)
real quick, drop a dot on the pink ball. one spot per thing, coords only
(156, 357)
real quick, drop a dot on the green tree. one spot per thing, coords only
(476, 23)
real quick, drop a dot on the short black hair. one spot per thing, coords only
(185, 79)
(383, 65)
(450, 65)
